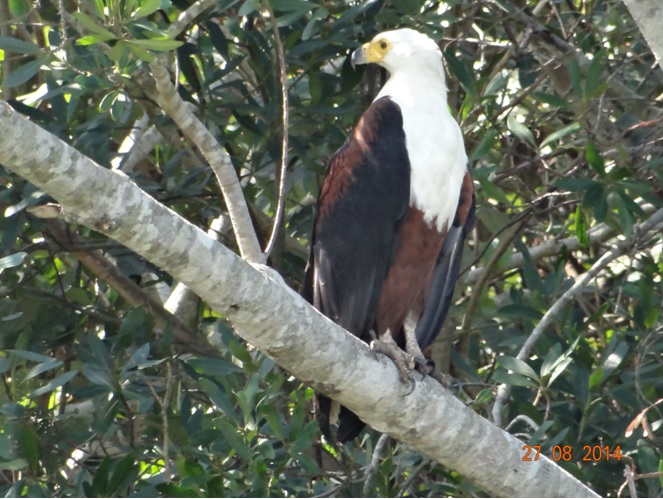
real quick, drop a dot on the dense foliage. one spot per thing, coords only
(560, 106)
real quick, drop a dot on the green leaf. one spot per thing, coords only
(517, 366)
(98, 376)
(530, 271)
(98, 8)
(519, 129)
(12, 260)
(234, 439)
(550, 359)
(483, 397)
(513, 379)
(122, 477)
(100, 478)
(273, 420)
(219, 399)
(248, 7)
(14, 464)
(148, 7)
(93, 39)
(594, 158)
(484, 146)
(164, 44)
(127, 7)
(593, 75)
(25, 72)
(615, 358)
(575, 184)
(462, 70)
(42, 368)
(9, 44)
(597, 196)
(561, 133)
(91, 25)
(20, 8)
(34, 357)
(580, 227)
(574, 76)
(213, 367)
(28, 446)
(107, 100)
(56, 382)
(292, 5)
(554, 364)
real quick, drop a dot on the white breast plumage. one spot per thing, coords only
(435, 145)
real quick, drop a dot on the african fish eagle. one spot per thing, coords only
(394, 208)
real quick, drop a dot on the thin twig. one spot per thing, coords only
(532, 424)
(411, 476)
(504, 244)
(280, 56)
(164, 404)
(375, 462)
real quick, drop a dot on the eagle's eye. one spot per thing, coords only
(383, 45)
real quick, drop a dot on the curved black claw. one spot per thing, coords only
(423, 366)
(413, 384)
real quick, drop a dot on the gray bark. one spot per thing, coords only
(648, 15)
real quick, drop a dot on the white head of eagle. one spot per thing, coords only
(402, 50)
(434, 141)
(394, 208)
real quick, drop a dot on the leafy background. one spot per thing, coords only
(560, 105)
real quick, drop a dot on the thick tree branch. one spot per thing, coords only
(648, 15)
(278, 321)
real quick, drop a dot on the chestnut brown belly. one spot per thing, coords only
(410, 273)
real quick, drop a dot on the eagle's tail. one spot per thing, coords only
(349, 424)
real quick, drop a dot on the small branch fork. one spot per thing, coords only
(285, 125)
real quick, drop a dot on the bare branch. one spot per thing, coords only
(187, 17)
(619, 249)
(218, 159)
(280, 53)
(598, 234)
(375, 462)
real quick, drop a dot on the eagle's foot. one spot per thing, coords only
(444, 379)
(424, 367)
(405, 363)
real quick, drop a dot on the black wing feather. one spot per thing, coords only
(444, 280)
(356, 236)
(363, 201)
